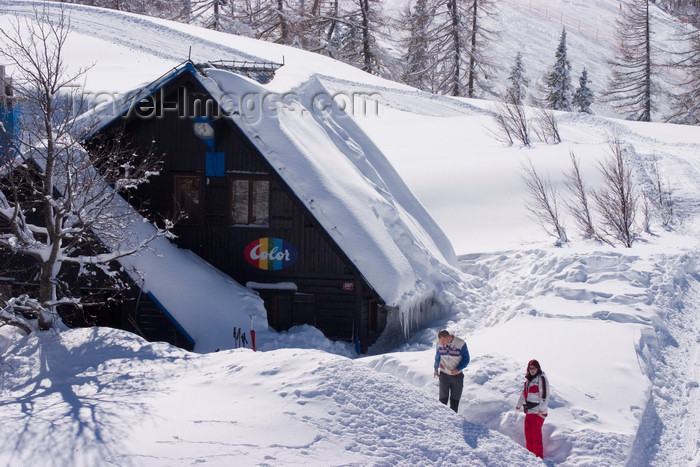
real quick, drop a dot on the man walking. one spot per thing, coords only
(451, 357)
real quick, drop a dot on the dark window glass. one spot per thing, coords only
(250, 201)
(188, 195)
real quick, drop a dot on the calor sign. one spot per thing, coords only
(270, 253)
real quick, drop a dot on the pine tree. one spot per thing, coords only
(630, 89)
(583, 97)
(558, 81)
(517, 90)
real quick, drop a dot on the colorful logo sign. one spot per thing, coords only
(270, 254)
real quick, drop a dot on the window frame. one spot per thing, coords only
(251, 180)
(192, 218)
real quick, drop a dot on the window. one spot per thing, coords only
(187, 197)
(250, 201)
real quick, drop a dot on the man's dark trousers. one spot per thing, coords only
(451, 388)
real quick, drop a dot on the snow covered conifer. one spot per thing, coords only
(558, 81)
(583, 97)
(517, 90)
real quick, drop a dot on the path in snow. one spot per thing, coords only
(676, 378)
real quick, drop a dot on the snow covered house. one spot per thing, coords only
(286, 195)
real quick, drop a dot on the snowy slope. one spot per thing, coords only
(615, 329)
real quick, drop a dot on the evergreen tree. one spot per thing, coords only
(517, 90)
(583, 97)
(631, 86)
(558, 81)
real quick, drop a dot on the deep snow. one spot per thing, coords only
(615, 329)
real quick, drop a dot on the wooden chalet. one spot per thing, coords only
(243, 214)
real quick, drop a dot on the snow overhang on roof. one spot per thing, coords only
(339, 174)
(344, 180)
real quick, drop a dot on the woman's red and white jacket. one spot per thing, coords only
(536, 390)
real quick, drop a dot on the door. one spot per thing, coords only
(286, 308)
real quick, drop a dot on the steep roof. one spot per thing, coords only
(340, 175)
(343, 179)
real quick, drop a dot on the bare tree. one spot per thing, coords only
(59, 207)
(512, 122)
(418, 64)
(543, 205)
(630, 89)
(458, 39)
(480, 39)
(686, 104)
(578, 203)
(547, 127)
(663, 201)
(319, 26)
(617, 199)
(646, 213)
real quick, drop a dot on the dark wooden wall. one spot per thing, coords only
(322, 272)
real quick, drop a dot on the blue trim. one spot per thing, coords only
(10, 117)
(170, 317)
(208, 141)
(215, 164)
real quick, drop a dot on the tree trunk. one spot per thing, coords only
(452, 6)
(472, 58)
(366, 50)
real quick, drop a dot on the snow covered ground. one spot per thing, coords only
(615, 329)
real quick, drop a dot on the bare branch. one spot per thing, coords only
(578, 204)
(60, 207)
(617, 200)
(512, 123)
(543, 206)
(547, 127)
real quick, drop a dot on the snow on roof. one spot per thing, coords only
(341, 177)
(345, 181)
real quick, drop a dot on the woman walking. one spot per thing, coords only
(534, 399)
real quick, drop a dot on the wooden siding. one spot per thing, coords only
(321, 268)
